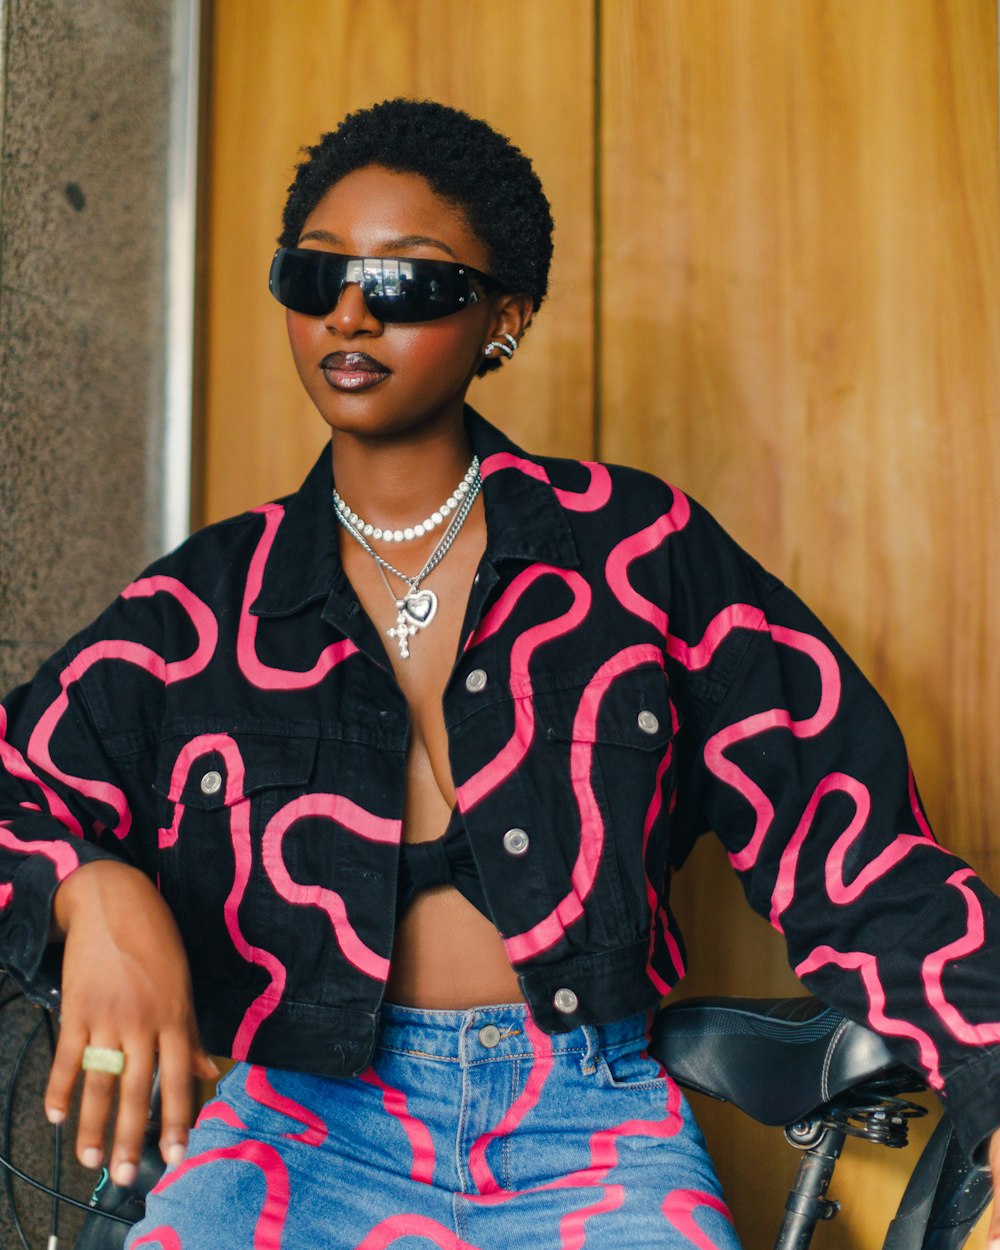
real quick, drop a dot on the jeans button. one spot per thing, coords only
(211, 783)
(489, 1035)
(648, 722)
(515, 842)
(476, 680)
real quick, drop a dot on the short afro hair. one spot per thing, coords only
(463, 159)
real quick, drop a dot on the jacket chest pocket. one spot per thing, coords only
(614, 738)
(217, 793)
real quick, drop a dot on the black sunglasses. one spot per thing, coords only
(395, 288)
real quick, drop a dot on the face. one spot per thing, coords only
(375, 379)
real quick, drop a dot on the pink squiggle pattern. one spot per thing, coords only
(506, 761)
(6, 894)
(274, 1212)
(933, 969)
(550, 929)
(207, 630)
(657, 912)
(526, 1101)
(61, 855)
(417, 1133)
(351, 816)
(239, 831)
(251, 666)
(776, 718)
(596, 495)
(918, 811)
(735, 616)
(260, 1089)
(867, 966)
(837, 888)
(398, 1226)
(217, 1109)
(641, 544)
(165, 1238)
(14, 764)
(679, 1207)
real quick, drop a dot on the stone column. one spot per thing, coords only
(85, 91)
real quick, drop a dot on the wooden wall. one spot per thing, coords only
(777, 283)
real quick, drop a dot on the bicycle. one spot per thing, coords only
(791, 1062)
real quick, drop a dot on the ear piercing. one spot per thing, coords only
(508, 348)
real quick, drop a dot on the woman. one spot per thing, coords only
(411, 756)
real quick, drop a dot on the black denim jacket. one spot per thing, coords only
(627, 678)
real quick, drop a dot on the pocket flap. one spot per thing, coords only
(209, 771)
(632, 709)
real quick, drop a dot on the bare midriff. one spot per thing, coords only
(446, 954)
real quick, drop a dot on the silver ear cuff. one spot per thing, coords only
(508, 348)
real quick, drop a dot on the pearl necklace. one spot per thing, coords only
(418, 607)
(410, 532)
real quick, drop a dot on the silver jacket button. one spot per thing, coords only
(489, 1035)
(211, 783)
(476, 680)
(566, 1001)
(516, 841)
(648, 723)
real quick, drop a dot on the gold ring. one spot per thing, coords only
(103, 1059)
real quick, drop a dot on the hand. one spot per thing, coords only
(993, 1242)
(125, 985)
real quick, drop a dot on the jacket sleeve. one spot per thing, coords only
(73, 745)
(798, 766)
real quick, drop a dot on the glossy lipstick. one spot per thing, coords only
(353, 371)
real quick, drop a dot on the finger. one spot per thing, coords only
(95, 1106)
(175, 1095)
(64, 1071)
(136, 1083)
(204, 1066)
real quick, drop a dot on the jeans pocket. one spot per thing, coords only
(631, 1068)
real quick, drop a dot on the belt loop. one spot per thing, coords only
(588, 1064)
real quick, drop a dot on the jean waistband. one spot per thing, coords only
(498, 1031)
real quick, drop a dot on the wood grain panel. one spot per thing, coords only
(284, 73)
(800, 319)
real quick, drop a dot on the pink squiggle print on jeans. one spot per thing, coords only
(207, 630)
(933, 969)
(839, 890)
(867, 966)
(679, 1206)
(596, 495)
(506, 761)
(641, 544)
(776, 718)
(347, 813)
(548, 931)
(274, 1212)
(253, 668)
(165, 1238)
(260, 1089)
(417, 1133)
(526, 1101)
(219, 1110)
(396, 1227)
(204, 744)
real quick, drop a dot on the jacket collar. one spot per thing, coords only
(524, 521)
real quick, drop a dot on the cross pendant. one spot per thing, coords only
(403, 632)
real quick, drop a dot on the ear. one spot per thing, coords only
(512, 315)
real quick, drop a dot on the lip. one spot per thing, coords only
(353, 371)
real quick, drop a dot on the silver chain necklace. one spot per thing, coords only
(418, 607)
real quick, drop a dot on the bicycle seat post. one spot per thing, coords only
(807, 1203)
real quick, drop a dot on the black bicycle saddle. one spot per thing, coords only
(777, 1059)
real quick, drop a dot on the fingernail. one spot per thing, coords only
(91, 1157)
(124, 1174)
(54, 1115)
(175, 1153)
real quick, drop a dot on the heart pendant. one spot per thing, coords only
(419, 607)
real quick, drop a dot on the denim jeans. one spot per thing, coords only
(471, 1130)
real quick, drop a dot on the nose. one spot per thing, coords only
(351, 315)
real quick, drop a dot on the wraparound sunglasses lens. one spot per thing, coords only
(395, 288)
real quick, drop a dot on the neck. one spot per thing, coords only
(397, 482)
